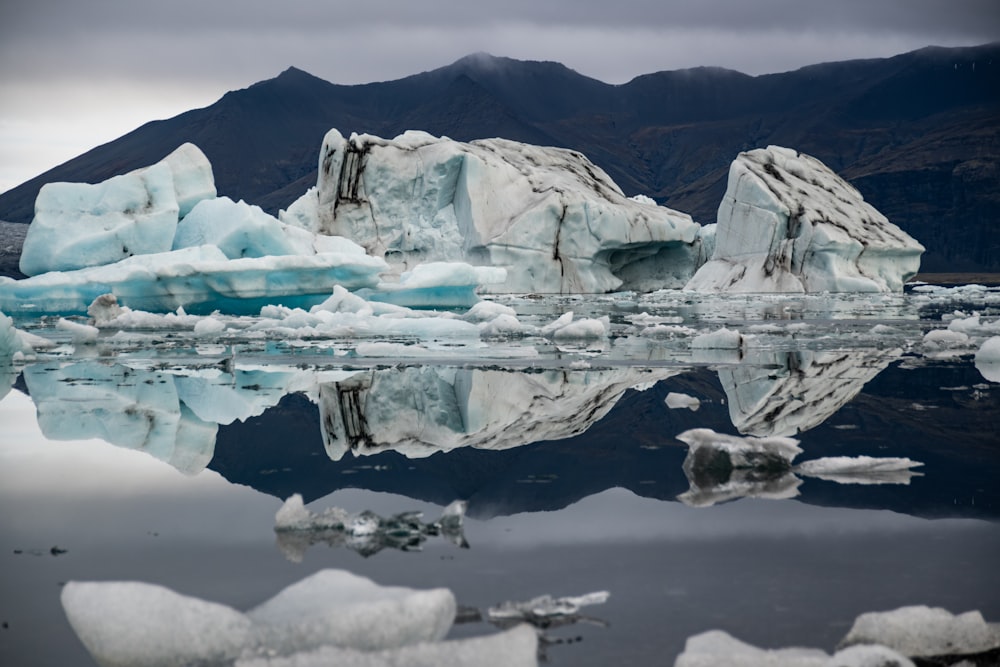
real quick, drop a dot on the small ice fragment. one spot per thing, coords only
(988, 359)
(83, 334)
(675, 401)
(209, 326)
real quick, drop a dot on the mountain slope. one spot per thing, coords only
(918, 134)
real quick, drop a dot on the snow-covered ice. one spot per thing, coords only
(787, 223)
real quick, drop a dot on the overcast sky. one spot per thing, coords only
(76, 74)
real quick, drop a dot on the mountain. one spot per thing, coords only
(918, 134)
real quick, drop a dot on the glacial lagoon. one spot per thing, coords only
(161, 453)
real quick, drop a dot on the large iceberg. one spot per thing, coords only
(556, 221)
(77, 225)
(787, 223)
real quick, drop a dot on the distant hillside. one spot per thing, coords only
(918, 134)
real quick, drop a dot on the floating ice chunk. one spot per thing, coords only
(504, 325)
(209, 326)
(920, 631)
(988, 359)
(716, 648)
(517, 647)
(335, 607)
(104, 309)
(869, 655)
(675, 400)
(82, 334)
(545, 606)
(486, 311)
(860, 469)
(946, 338)
(77, 225)
(721, 339)
(139, 624)
(722, 467)
(789, 224)
(565, 327)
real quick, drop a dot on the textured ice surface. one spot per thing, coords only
(139, 624)
(789, 224)
(920, 631)
(517, 647)
(548, 215)
(135, 624)
(77, 225)
(335, 607)
(716, 648)
(546, 606)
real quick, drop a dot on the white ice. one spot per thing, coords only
(546, 606)
(517, 647)
(77, 225)
(676, 400)
(554, 220)
(988, 359)
(787, 223)
(920, 631)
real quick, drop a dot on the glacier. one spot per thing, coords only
(787, 223)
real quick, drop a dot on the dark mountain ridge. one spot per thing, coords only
(918, 134)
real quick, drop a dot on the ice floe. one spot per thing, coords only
(920, 631)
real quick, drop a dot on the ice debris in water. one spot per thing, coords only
(722, 467)
(141, 624)
(366, 532)
(539, 610)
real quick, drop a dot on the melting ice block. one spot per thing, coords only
(787, 223)
(549, 216)
(77, 225)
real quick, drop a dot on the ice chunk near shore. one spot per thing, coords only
(549, 216)
(988, 359)
(920, 631)
(77, 225)
(860, 469)
(787, 223)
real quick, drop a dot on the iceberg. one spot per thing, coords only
(554, 220)
(988, 359)
(787, 223)
(77, 225)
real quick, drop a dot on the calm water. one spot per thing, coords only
(162, 457)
